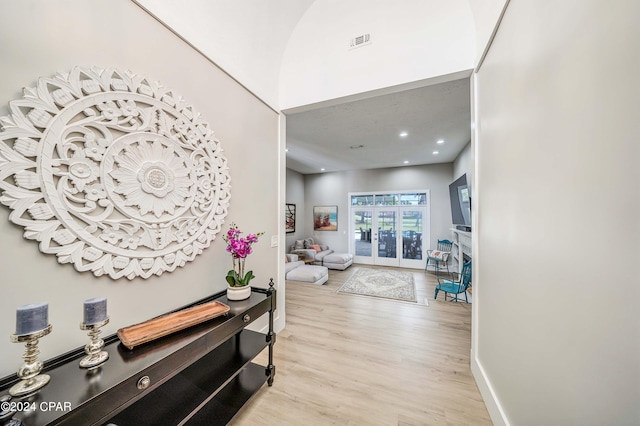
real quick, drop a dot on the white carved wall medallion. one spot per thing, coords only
(113, 173)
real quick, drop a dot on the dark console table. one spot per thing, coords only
(199, 376)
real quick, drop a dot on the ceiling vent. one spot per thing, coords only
(361, 40)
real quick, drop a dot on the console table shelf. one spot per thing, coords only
(201, 375)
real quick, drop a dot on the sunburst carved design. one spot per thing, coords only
(112, 173)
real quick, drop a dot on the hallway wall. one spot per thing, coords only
(555, 289)
(333, 189)
(43, 38)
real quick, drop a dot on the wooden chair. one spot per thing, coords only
(439, 256)
(455, 287)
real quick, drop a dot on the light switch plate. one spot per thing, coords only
(274, 241)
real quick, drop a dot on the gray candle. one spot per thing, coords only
(95, 310)
(32, 318)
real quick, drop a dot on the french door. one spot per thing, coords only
(385, 236)
(389, 235)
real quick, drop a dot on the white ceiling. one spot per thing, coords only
(322, 137)
(248, 40)
(245, 38)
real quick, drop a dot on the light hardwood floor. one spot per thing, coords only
(357, 360)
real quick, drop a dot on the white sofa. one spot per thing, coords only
(296, 270)
(303, 247)
(325, 257)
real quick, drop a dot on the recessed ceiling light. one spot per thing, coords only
(404, 134)
(440, 142)
(406, 161)
(322, 170)
(435, 153)
(286, 150)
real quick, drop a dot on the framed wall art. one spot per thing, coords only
(325, 218)
(290, 218)
(113, 173)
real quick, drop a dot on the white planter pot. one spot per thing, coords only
(238, 293)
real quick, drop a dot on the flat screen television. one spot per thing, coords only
(460, 197)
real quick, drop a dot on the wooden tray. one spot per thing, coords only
(152, 329)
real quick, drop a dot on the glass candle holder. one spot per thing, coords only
(95, 355)
(32, 380)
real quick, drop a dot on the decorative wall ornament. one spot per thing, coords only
(113, 173)
(290, 218)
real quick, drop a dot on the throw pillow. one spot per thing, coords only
(286, 259)
(299, 245)
(315, 247)
(308, 242)
(440, 255)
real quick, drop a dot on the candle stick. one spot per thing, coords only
(95, 310)
(95, 317)
(32, 318)
(32, 380)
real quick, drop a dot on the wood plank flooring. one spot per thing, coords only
(357, 360)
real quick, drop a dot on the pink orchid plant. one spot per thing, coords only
(240, 248)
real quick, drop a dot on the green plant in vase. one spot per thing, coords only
(240, 248)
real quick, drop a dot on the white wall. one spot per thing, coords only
(485, 16)
(463, 163)
(245, 38)
(333, 188)
(46, 37)
(295, 195)
(556, 288)
(410, 40)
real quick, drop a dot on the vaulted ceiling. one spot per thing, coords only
(254, 42)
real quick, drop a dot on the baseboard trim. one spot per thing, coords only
(491, 401)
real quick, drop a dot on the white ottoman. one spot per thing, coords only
(309, 274)
(338, 260)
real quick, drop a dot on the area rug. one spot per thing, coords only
(390, 284)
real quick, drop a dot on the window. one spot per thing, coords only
(418, 199)
(362, 200)
(386, 200)
(399, 199)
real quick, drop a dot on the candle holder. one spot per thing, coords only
(95, 355)
(32, 380)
